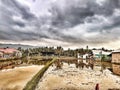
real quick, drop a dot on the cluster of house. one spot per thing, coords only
(9, 53)
(96, 54)
(113, 56)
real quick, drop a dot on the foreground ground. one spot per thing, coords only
(16, 79)
(72, 78)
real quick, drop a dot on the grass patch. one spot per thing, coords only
(31, 85)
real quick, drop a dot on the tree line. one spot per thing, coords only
(59, 51)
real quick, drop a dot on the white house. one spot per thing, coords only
(97, 54)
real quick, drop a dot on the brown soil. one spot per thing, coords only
(16, 79)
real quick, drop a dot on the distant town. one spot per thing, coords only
(97, 54)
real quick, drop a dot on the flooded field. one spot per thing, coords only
(70, 76)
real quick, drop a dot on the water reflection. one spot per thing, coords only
(14, 63)
(105, 65)
(116, 69)
(78, 63)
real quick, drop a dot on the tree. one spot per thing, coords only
(19, 48)
(103, 58)
(59, 50)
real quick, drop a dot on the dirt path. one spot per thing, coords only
(16, 79)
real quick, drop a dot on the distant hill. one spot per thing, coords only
(16, 46)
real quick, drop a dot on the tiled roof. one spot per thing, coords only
(8, 50)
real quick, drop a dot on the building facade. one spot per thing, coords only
(116, 56)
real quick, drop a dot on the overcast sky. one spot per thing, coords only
(67, 23)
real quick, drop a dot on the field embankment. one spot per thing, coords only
(31, 85)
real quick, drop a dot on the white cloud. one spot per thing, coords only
(100, 2)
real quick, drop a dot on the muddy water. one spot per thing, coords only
(15, 63)
(115, 68)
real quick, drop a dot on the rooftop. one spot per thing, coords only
(8, 50)
(116, 51)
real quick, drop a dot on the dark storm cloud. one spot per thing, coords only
(9, 9)
(19, 23)
(107, 8)
(15, 7)
(74, 14)
(73, 21)
(19, 36)
(70, 15)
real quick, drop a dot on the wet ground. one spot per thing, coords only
(72, 78)
(107, 75)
